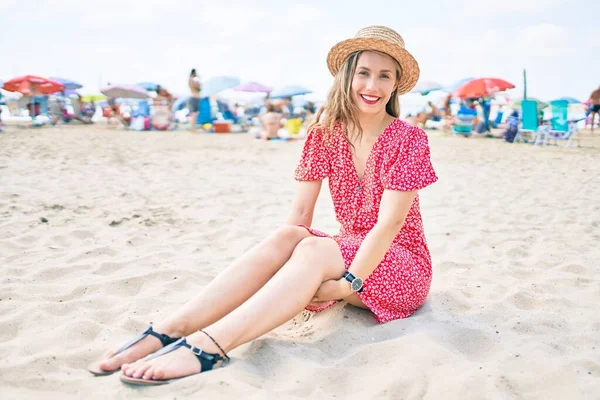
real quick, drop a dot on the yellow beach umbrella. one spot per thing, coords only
(93, 97)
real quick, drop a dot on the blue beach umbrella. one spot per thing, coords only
(180, 103)
(289, 91)
(569, 100)
(68, 84)
(425, 87)
(218, 84)
(451, 88)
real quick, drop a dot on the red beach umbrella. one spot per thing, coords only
(481, 87)
(27, 85)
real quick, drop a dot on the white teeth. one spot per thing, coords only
(370, 98)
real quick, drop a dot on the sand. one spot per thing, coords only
(104, 231)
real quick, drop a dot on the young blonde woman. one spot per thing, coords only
(375, 164)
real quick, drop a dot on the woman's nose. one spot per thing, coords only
(371, 84)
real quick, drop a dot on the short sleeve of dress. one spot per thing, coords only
(409, 168)
(314, 163)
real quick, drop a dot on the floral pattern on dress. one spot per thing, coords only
(399, 160)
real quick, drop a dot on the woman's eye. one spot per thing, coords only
(384, 76)
(363, 73)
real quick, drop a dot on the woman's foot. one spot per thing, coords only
(139, 350)
(177, 364)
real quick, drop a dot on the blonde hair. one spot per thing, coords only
(340, 105)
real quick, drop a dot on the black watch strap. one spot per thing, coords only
(349, 276)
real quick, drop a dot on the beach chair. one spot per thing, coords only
(463, 124)
(498, 120)
(529, 122)
(560, 127)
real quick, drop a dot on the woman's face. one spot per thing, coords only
(373, 82)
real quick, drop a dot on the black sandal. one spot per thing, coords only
(165, 340)
(207, 361)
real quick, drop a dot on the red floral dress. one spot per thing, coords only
(399, 160)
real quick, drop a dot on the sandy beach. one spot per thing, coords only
(104, 231)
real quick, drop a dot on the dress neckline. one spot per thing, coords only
(369, 156)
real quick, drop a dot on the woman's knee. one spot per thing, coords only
(321, 253)
(291, 234)
(314, 246)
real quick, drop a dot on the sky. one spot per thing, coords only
(285, 42)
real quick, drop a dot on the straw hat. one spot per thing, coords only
(381, 39)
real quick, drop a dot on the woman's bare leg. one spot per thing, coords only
(313, 261)
(223, 294)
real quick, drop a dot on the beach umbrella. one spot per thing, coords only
(218, 84)
(481, 87)
(180, 103)
(24, 85)
(424, 87)
(150, 86)
(68, 92)
(569, 100)
(67, 83)
(125, 92)
(289, 91)
(93, 97)
(253, 87)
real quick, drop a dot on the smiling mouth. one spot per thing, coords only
(369, 99)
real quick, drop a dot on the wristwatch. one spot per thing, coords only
(355, 283)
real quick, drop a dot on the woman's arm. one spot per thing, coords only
(393, 210)
(304, 203)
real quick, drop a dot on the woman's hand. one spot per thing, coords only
(331, 290)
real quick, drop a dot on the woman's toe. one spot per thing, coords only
(129, 369)
(139, 372)
(149, 374)
(110, 363)
(125, 368)
(109, 354)
(158, 373)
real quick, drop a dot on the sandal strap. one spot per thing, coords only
(207, 360)
(225, 355)
(165, 340)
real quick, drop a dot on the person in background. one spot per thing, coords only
(162, 117)
(486, 105)
(194, 100)
(595, 106)
(446, 108)
(270, 123)
(512, 127)
(435, 113)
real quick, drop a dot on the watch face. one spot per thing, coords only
(357, 284)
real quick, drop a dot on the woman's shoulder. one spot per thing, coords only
(325, 134)
(402, 132)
